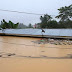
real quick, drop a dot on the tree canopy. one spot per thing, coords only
(65, 16)
(8, 25)
(65, 13)
(44, 20)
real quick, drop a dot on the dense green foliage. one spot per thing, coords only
(8, 25)
(65, 15)
(47, 22)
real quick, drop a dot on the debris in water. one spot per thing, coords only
(53, 41)
(0, 55)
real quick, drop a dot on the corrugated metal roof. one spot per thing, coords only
(51, 32)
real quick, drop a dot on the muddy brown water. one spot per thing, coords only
(30, 57)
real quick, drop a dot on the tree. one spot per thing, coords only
(52, 24)
(65, 13)
(8, 25)
(21, 26)
(65, 24)
(44, 20)
(30, 25)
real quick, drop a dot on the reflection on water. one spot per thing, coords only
(20, 54)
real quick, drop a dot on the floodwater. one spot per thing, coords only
(21, 54)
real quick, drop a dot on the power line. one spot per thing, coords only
(20, 12)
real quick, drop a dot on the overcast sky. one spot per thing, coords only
(31, 6)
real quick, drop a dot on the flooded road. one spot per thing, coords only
(20, 54)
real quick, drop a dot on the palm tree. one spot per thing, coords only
(65, 13)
